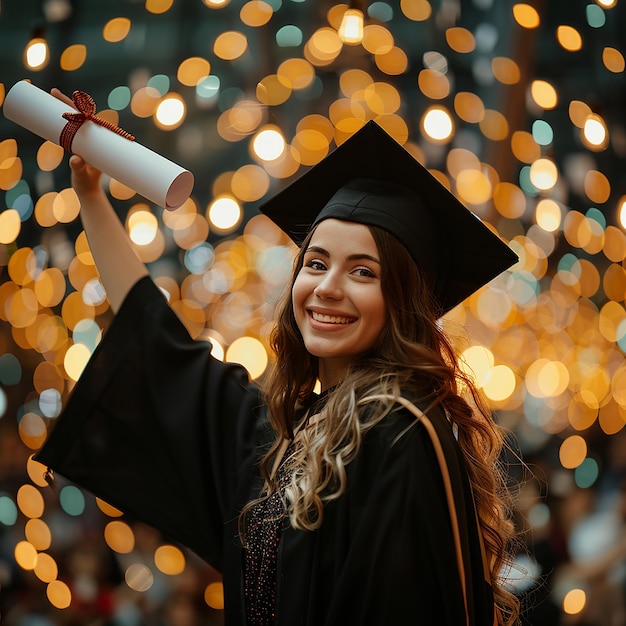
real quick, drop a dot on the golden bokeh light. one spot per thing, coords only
(548, 214)
(500, 384)
(268, 144)
(494, 125)
(224, 213)
(544, 174)
(214, 595)
(46, 568)
(249, 183)
(473, 186)
(509, 200)
(107, 509)
(73, 57)
(36, 54)
(297, 73)
(460, 40)
(142, 225)
(416, 10)
(38, 534)
(524, 147)
(324, 46)
(437, 125)
(119, 537)
(477, 362)
(595, 134)
(256, 13)
(250, 353)
(505, 70)
(433, 84)
(76, 358)
(230, 45)
(170, 113)
(33, 431)
(377, 39)
(574, 601)
(544, 94)
(10, 171)
(569, 38)
(10, 226)
(116, 29)
(526, 15)
(59, 594)
(158, 6)
(394, 62)
(30, 501)
(273, 90)
(65, 206)
(25, 555)
(169, 560)
(49, 156)
(613, 60)
(573, 451)
(192, 70)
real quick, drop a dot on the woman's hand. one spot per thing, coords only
(59, 95)
(85, 178)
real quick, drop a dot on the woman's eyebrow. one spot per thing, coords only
(317, 250)
(367, 257)
(352, 257)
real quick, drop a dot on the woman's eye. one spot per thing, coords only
(316, 265)
(364, 272)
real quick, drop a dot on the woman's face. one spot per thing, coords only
(337, 298)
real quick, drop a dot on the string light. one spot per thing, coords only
(351, 29)
(36, 52)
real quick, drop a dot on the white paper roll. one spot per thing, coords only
(148, 173)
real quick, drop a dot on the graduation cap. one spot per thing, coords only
(371, 179)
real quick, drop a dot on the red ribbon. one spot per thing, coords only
(86, 109)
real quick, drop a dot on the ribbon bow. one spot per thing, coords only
(86, 109)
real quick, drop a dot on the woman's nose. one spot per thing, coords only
(329, 287)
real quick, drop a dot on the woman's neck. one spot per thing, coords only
(332, 371)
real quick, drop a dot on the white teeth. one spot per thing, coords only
(331, 319)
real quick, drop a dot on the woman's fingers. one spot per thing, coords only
(59, 95)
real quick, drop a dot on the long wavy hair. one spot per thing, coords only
(413, 357)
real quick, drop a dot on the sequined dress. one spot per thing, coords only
(263, 531)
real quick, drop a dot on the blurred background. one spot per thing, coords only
(517, 107)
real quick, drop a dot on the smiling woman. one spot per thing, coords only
(337, 297)
(373, 502)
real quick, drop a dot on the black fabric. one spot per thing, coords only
(166, 433)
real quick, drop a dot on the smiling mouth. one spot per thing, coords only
(332, 319)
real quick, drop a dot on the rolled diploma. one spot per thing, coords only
(156, 178)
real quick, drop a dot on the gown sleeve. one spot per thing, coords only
(157, 427)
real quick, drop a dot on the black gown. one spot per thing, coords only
(163, 431)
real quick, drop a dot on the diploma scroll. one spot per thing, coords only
(151, 175)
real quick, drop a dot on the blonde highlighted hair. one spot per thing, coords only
(411, 357)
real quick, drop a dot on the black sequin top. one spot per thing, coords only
(265, 523)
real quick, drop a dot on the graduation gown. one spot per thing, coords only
(160, 429)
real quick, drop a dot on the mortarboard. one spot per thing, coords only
(371, 179)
